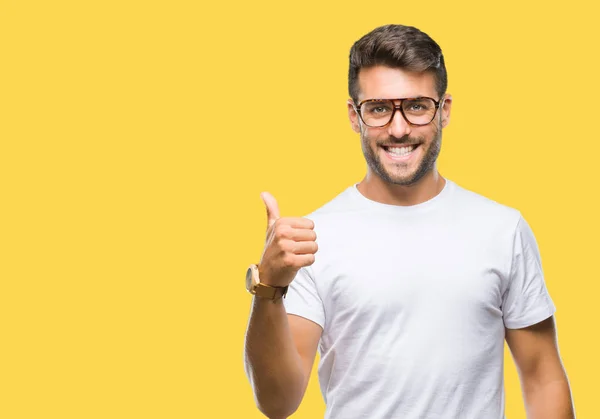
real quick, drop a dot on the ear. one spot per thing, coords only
(445, 111)
(353, 116)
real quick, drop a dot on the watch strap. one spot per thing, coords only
(269, 292)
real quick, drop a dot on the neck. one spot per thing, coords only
(376, 189)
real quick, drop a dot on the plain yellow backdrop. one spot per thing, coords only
(136, 137)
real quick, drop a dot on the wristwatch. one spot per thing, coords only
(255, 287)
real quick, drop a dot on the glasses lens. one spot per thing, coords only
(419, 111)
(377, 113)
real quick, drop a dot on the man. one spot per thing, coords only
(417, 281)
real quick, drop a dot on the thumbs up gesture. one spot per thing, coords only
(290, 245)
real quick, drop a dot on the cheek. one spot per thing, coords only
(372, 136)
(429, 136)
(370, 141)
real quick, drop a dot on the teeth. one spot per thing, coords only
(400, 151)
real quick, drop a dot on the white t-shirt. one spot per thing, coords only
(413, 302)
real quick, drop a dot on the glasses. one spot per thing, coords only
(380, 112)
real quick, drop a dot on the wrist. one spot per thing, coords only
(256, 285)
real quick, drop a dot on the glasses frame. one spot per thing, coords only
(438, 104)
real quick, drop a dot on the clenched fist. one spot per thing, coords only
(290, 245)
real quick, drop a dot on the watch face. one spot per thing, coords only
(249, 280)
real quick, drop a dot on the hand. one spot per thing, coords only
(290, 245)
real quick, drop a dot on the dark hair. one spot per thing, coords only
(397, 46)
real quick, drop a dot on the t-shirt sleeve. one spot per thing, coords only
(303, 299)
(526, 301)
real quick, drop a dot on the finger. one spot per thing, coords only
(298, 222)
(304, 260)
(272, 208)
(305, 248)
(302, 235)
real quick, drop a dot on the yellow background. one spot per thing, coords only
(136, 137)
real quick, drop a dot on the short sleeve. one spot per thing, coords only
(303, 299)
(526, 300)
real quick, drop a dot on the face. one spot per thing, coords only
(399, 153)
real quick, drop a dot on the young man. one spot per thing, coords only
(417, 281)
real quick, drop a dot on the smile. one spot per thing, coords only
(400, 153)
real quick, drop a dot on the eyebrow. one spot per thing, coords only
(397, 98)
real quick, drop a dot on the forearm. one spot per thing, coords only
(551, 400)
(272, 362)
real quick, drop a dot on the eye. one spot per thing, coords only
(377, 108)
(380, 109)
(418, 106)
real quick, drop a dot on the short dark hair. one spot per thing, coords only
(397, 46)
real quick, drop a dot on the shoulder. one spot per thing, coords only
(483, 218)
(335, 218)
(342, 204)
(480, 208)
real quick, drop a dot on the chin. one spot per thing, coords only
(406, 179)
(403, 181)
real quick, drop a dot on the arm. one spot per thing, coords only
(544, 382)
(279, 354)
(280, 349)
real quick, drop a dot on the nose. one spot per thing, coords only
(398, 126)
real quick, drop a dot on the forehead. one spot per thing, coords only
(382, 82)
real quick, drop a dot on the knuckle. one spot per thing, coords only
(287, 246)
(288, 261)
(283, 231)
(277, 229)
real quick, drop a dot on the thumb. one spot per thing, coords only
(272, 208)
